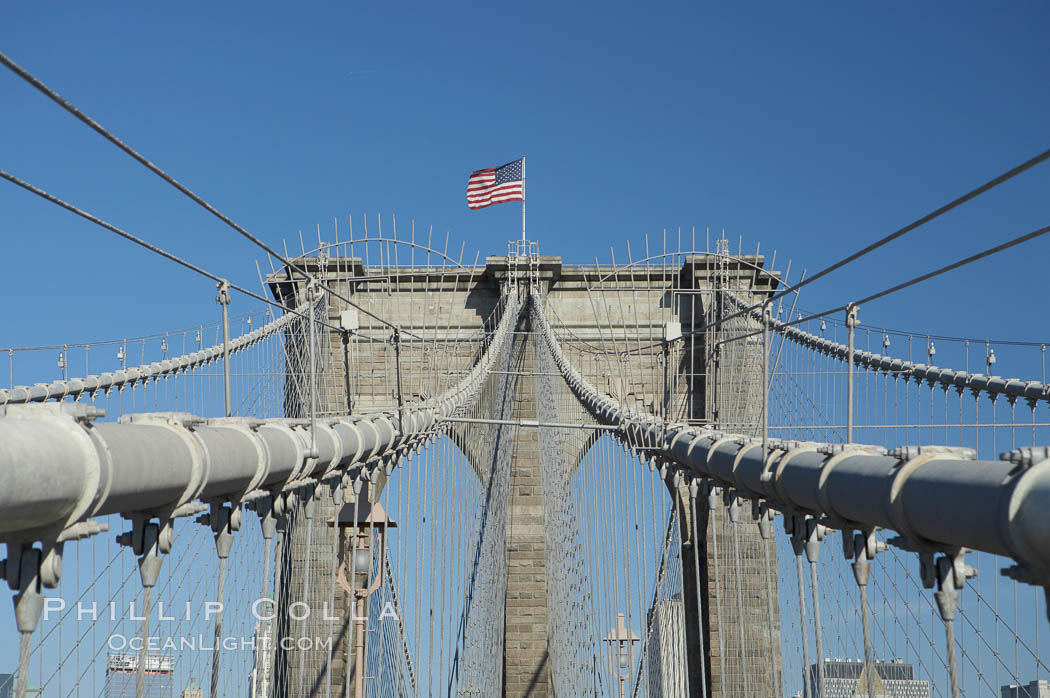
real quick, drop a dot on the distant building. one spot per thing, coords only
(850, 679)
(260, 679)
(1034, 689)
(192, 690)
(665, 652)
(121, 676)
(7, 687)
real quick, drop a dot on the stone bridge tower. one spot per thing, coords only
(618, 309)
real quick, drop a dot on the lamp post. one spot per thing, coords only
(369, 516)
(621, 651)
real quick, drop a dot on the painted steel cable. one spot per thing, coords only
(139, 241)
(1039, 232)
(955, 203)
(102, 131)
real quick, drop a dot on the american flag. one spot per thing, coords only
(494, 185)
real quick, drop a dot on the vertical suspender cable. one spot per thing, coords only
(224, 301)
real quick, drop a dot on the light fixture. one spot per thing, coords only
(361, 519)
(621, 651)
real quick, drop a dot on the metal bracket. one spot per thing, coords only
(951, 574)
(148, 540)
(22, 570)
(223, 521)
(814, 534)
(264, 509)
(862, 547)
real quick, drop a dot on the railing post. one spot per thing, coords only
(851, 323)
(312, 295)
(397, 366)
(716, 413)
(224, 301)
(767, 318)
(346, 370)
(665, 403)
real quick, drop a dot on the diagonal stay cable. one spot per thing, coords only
(905, 284)
(102, 131)
(955, 203)
(149, 246)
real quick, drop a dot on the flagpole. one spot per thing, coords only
(523, 200)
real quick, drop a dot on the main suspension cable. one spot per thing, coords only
(903, 285)
(955, 203)
(102, 131)
(149, 246)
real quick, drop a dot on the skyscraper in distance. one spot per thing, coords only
(1033, 689)
(847, 678)
(122, 676)
(193, 690)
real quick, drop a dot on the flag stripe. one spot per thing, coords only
(509, 195)
(493, 191)
(493, 195)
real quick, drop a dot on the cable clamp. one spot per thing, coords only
(1026, 456)
(907, 453)
(836, 449)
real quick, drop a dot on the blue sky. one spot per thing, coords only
(810, 129)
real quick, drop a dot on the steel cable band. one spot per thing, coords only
(946, 501)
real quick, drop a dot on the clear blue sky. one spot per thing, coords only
(811, 128)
